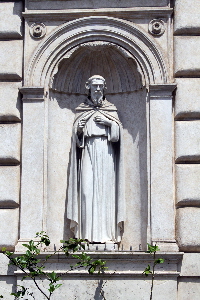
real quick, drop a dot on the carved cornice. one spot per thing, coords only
(118, 263)
(157, 91)
(70, 14)
(32, 94)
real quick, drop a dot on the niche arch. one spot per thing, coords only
(120, 32)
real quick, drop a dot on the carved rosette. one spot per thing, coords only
(156, 27)
(37, 30)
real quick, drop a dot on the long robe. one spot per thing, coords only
(96, 182)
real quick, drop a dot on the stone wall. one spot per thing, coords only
(161, 128)
(187, 139)
(11, 62)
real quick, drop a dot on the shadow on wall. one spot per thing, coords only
(125, 89)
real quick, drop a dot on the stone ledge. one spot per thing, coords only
(118, 263)
(69, 14)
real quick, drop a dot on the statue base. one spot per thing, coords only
(108, 246)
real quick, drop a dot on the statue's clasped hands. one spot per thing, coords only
(102, 120)
(98, 119)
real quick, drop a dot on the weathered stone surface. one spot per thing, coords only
(9, 187)
(9, 227)
(4, 268)
(8, 284)
(188, 227)
(186, 56)
(187, 184)
(10, 104)
(10, 142)
(35, 4)
(10, 21)
(32, 189)
(190, 265)
(187, 103)
(189, 288)
(165, 288)
(11, 59)
(187, 16)
(187, 140)
(162, 223)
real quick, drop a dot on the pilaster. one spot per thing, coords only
(32, 179)
(161, 167)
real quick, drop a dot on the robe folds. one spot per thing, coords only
(96, 205)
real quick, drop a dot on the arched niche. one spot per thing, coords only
(135, 70)
(126, 89)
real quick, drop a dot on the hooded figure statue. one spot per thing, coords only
(96, 181)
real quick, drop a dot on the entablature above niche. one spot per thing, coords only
(129, 13)
(80, 4)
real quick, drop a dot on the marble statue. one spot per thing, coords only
(96, 182)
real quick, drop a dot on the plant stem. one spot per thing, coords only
(153, 275)
(40, 289)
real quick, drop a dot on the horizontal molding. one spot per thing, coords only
(118, 263)
(10, 204)
(109, 275)
(188, 159)
(9, 161)
(185, 31)
(10, 76)
(188, 116)
(188, 203)
(10, 35)
(68, 14)
(188, 73)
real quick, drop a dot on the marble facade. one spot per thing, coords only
(148, 51)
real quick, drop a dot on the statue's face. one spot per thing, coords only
(96, 91)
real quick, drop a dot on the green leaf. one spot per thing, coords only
(159, 261)
(58, 285)
(147, 271)
(91, 270)
(152, 249)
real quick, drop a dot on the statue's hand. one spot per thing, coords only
(102, 120)
(81, 124)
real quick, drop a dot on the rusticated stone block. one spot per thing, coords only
(186, 56)
(187, 139)
(190, 265)
(9, 187)
(187, 102)
(188, 228)
(9, 227)
(10, 104)
(11, 60)
(187, 16)
(10, 140)
(10, 21)
(188, 288)
(187, 184)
